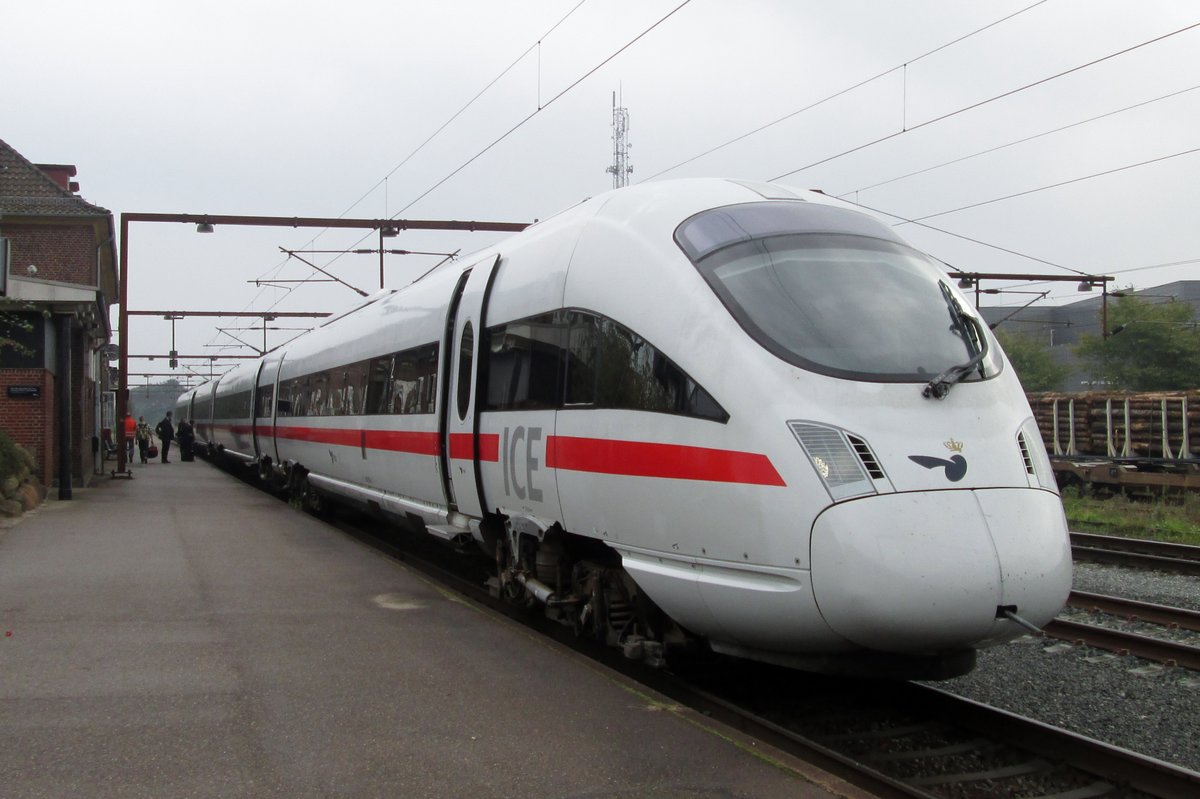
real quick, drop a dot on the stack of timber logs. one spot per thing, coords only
(1157, 425)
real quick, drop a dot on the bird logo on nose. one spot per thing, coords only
(956, 467)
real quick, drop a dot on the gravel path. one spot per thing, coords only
(1123, 701)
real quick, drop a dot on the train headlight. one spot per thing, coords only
(837, 459)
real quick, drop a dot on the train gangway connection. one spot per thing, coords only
(184, 634)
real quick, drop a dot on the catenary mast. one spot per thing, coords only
(621, 168)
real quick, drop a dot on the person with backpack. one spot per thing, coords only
(144, 437)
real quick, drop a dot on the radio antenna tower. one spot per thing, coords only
(621, 168)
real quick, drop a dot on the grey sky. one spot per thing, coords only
(303, 108)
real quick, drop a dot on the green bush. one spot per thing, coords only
(15, 460)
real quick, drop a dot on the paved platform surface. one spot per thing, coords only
(181, 634)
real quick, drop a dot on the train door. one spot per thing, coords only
(260, 403)
(461, 445)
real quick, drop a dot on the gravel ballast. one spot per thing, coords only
(1124, 701)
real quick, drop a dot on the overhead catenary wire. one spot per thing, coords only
(1017, 142)
(1051, 186)
(981, 103)
(269, 276)
(543, 106)
(535, 46)
(840, 93)
(970, 239)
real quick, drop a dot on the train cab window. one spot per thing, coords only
(466, 353)
(834, 291)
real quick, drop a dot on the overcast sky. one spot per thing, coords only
(324, 109)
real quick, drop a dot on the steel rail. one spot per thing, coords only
(1147, 546)
(1137, 553)
(1170, 653)
(1134, 610)
(1113, 763)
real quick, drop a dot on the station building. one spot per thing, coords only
(58, 275)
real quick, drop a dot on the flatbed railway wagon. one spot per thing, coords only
(1137, 442)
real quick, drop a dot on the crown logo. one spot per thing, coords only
(953, 446)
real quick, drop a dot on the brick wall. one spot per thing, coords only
(65, 253)
(29, 422)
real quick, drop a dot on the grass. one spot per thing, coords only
(1176, 519)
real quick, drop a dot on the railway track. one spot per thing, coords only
(1136, 553)
(890, 739)
(911, 740)
(1124, 642)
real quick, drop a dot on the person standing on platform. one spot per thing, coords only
(143, 437)
(187, 440)
(130, 431)
(166, 434)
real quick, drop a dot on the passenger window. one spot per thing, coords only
(610, 366)
(465, 358)
(524, 362)
(578, 359)
(265, 395)
(581, 360)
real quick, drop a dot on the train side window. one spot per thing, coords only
(379, 385)
(427, 362)
(265, 396)
(524, 363)
(610, 366)
(466, 351)
(581, 359)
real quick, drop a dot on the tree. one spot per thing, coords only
(1150, 347)
(14, 322)
(1032, 360)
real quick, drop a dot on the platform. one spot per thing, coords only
(181, 634)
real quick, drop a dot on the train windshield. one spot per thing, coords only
(834, 291)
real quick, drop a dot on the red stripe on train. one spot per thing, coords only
(462, 448)
(387, 440)
(417, 443)
(644, 459)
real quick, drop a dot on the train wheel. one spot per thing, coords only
(310, 499)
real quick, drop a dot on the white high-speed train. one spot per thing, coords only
(697, 410)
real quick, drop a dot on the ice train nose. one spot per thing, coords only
(922, 571)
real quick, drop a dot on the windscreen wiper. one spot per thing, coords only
(939, 387)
